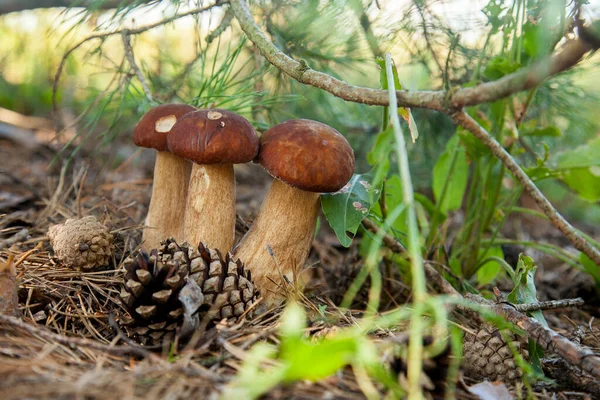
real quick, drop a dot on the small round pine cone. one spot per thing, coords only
(83, 244)
(175, 287)
(488, 356)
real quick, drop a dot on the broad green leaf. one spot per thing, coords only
(475, 149)
(383, 75)
(549, 131)
(317, 360)
(379, 156)
(451, 173)
(580, 157)
(539, 173)
(490, 270)
(346, 208)
(382, 148)
(498, 67)
(580, 169)
(393, 198)
(585, 181)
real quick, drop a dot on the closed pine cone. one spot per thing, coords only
(488, 356)
(83, 244)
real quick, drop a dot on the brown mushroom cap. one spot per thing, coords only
(307, 155)
(155, 125)
(214, 136)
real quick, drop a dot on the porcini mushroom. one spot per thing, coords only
(306, 158)
(171, 174)
(214, 140)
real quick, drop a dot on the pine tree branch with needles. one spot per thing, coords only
(104, 35)
(525, 79)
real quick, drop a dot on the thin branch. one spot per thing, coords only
(549, 305)
(463, 119)
(523, 79)
(104, 35)
(133, 65)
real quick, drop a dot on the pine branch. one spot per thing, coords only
(104, 35)
(133, 65)
(440, 100)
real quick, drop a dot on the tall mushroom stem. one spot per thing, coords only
(286, 223)
(169, 192)
(210, 207)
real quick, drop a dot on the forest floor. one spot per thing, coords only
(65, 345)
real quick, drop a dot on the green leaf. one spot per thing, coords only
(590, 267)
(580, 169)
(539, 173)
(498, 67)
(524, 292)
(450, 176)
(346, 208)
(490, 270)
(549, 131)
(315, 361)
(382, 148)
(383, 75)
(475, 149)
(393, 198)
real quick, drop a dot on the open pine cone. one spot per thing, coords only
(175, 287)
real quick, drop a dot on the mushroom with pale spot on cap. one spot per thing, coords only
(214, 140)
(171, 174)
(306, 158)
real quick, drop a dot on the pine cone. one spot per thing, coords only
(487, 355)
(176, 286)
(81, 243)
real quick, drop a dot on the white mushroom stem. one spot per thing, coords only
(286, 223)
(169, 191)
(210, 207)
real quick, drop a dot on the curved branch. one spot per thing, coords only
(463, 119)
(524, 79)
(521, 80)
(303, 74)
